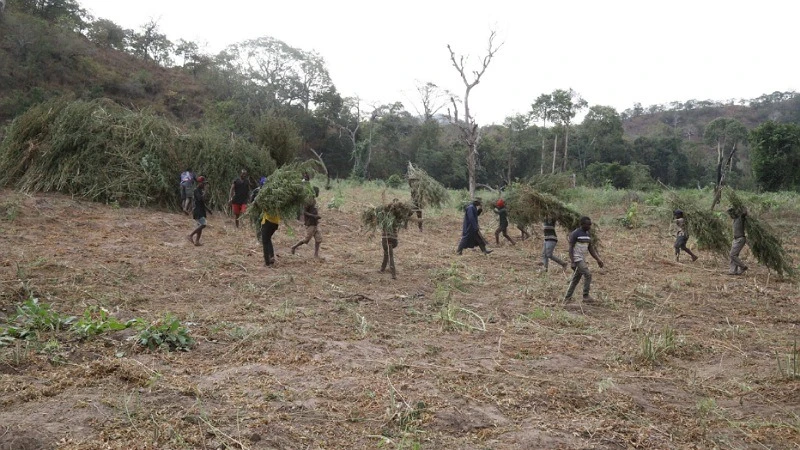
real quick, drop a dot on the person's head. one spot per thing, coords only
(243, 174)
(262, 181)
(678, 214)
(201, 181)
(188, 169)
(732, 212)
(501, 203)
(586, 223)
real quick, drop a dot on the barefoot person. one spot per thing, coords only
(500, 210)
(580, 247)
(470, 231)
(737, 267)
(240, 191)
(550, 241)
(682, 236)
(200, 210)
(311, 221)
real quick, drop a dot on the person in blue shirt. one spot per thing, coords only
(470, 231)
(580, 247)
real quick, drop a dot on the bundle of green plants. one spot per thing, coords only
(426, 191)
(765, 245)
(102, 151)
(387, 218)
(284, 194)
(527, 206)
(704, 225)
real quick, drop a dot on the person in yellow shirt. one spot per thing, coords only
(269, 225)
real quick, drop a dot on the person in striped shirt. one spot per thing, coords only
(580, 247)
(550, 241)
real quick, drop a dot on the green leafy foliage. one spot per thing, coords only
(775, 152)
(387, 218)
(32, 317)
(166, 333)
(284, 194)
(97, 320)
(394, 181)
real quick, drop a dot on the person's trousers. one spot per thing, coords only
(267, 230)
(547, 254)
(388, 253)
(581, 270)
(736, 248)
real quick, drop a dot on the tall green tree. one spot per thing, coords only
(542, 109)
(602, 128)
(566, 105)
(775, 153)
(152, 44)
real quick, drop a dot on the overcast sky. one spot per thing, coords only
(612, 52)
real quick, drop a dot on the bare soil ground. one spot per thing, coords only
(458, 352)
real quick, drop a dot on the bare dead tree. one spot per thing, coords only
(432, 99)
(324, 167)
(470, 132)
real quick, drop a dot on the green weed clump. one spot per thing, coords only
(97, 320)
(765, 245)
(32, 317)
(104, 152)
(166, 333)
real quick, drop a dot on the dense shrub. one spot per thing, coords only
(99, 150)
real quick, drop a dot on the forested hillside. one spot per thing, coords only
(282, 100)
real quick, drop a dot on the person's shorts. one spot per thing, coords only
(201, 221)
(239, 208)
(186, 192)
(313, 232)
(681, 241)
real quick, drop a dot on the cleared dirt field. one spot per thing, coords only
(470, 352)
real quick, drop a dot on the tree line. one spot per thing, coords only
(283, 98)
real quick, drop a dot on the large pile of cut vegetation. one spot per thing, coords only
(387, 218)
(425, 190)
(284, 193)
(104, 152)
(707, 226)
(765, 245)
(527, 206)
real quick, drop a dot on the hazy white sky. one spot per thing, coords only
(612, 52)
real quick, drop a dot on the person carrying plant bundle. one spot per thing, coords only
(580, 247)
(737, 267)
(550, 241)
(240, 191)
(311, 221)
(502, 227)
(269, 225)
(416, 199)
(470, 231)
(187, 190)
(255, 192)
(682, 235)
(200, 210)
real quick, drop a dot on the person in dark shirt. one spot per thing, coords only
(737, 267)
(470, 231)
(550, 241)
(580, 247)
(681, 236)
(502, 227)
(240, 191)
(311, 221)
(200, 210)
